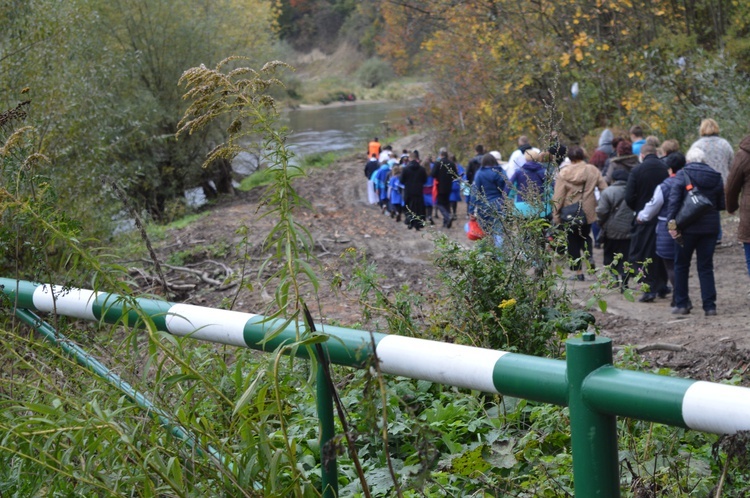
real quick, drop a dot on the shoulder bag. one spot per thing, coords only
(694, 205)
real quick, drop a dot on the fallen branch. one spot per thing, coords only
(658, 346)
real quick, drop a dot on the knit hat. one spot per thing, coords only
(497, 155)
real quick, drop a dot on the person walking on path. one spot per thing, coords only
(576, 184)
(455, 196)
(370, 168)
(625, 159)
(444, 173)
(530, 188)
(395, 198)
(488, 197)
(700, 236)
(615, 219)
(718, 153)
(636, 138)
(413, 178)
(738, 197)
(658, 207)
(373, 148)
(471, 169)
(642, 182)
(517, 159)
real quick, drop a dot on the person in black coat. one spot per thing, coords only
(413, 178)
(700, 236)
(641, 184)
(371, 166)
(444, 173)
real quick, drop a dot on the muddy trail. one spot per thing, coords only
(345, 228)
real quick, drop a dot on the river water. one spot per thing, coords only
(338, 127)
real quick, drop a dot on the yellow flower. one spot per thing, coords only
(507, 303)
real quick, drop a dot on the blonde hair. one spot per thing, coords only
(709, 127)
(532, 155)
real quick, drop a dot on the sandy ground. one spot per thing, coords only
(341, 218)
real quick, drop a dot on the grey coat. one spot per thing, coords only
(612, 212)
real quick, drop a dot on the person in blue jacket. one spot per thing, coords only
(488, 193)
(394, 193)
(532, 196)
(455, 196)
(700, 236)
(380, 179)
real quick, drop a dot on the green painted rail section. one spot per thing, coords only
(595, 391)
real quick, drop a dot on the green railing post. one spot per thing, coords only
(593, 435)
(324, 401)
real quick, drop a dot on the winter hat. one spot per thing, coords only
(496, 155)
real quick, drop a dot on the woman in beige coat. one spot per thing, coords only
(576, 183)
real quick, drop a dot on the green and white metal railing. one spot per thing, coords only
(595, 391)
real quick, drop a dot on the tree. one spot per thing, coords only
(493, 64)
(105, 77)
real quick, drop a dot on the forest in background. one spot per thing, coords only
(102, 77)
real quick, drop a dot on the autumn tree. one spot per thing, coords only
(496, 65)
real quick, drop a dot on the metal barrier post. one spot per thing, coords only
(593, 435)
(324, 401)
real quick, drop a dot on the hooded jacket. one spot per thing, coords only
(576, 183)
(738, 189)
(627, 163)
(605, 142)
(613, 215)
(530, 176)
(709, 182)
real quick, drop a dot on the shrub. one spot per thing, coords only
(374, 72)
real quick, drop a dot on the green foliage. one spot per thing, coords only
(373, 72)
(505, 298)
(103, 80)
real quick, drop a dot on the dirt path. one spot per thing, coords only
(341, 218)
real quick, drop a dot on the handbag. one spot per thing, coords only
(572, 214)
(474, 231)
(694, 205)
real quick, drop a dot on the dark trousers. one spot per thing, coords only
(616, 246)
(642, 248)
(445, 212)
(579, 243)
(704, 246)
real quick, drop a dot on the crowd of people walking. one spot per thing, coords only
(647, 205)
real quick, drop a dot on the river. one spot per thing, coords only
(337, 127)
(332, 128)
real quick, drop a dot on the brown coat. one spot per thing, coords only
(738, 183)
(576, 183)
